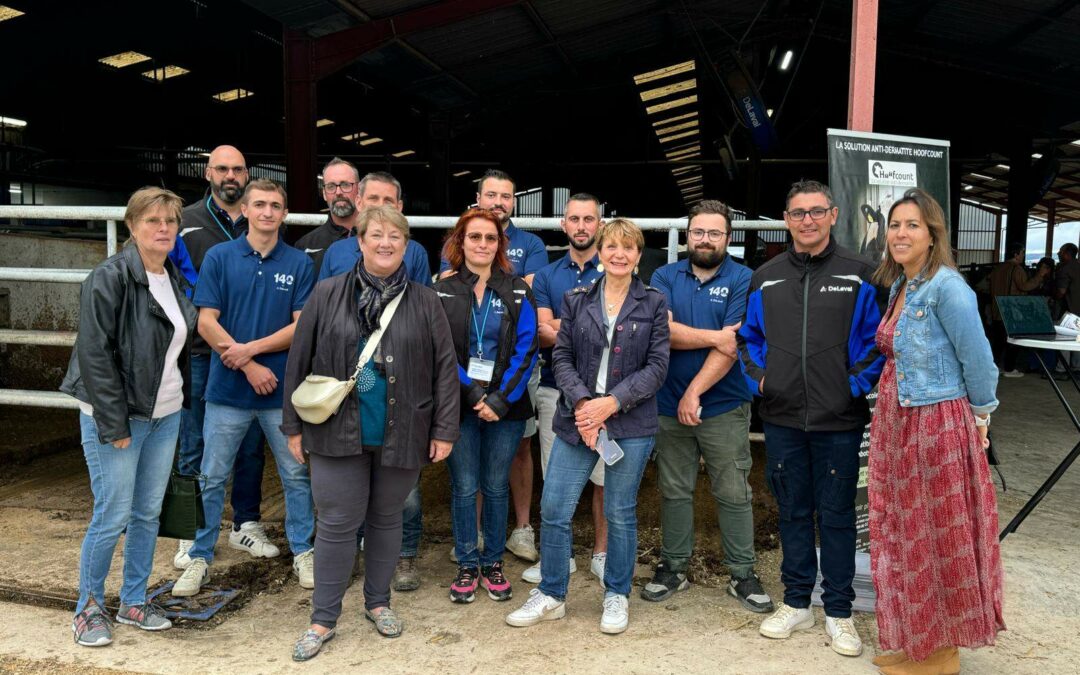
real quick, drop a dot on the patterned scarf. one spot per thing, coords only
(374, 294)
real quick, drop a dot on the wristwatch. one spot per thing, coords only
(982, 421)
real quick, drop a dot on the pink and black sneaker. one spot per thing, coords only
(463, 589)
(496, 583)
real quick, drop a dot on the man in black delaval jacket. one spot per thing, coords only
(212, 220)
(807, 348)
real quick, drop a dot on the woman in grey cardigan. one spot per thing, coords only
(367, 457)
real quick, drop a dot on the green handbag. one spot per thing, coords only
(182, 508)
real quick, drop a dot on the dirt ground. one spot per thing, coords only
(44, 507)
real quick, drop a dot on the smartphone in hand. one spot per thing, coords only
(609, 450)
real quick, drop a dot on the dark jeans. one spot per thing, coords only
(1004, 353)
(480, 464)
(250, 460)
(348, 490)
(814, 476)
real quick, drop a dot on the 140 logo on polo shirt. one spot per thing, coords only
(283, 281)
(718, 294)
(515, 253)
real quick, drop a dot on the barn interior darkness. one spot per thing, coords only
(544, 89)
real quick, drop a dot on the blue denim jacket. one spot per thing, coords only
(939, 346)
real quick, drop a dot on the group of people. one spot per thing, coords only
(207, 323)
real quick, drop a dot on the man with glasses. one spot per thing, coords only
(339, 184)
(378, 188)
(705, 410)
(213, 220)
(807, 348)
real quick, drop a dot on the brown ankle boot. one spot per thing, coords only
(890, 658)
(945, 661)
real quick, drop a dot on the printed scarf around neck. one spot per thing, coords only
(374, 294)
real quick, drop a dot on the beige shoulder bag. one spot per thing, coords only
(320, 396)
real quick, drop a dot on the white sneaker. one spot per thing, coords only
(785, 620)
(537, 608)
(251, 537)
(599, 561)
(616, 616)
(845, 639)
(1012, 373)
(304, 567)
(532, 574)
(522, 543)
(479, 547)
(181, 560)
(192, 580)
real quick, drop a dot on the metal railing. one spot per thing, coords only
(115, 214)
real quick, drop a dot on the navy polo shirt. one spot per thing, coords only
(526, 251)
(713, 305)
(256, 297)
(553, 282)
(343, 255)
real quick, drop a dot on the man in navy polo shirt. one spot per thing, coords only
(705, 410)
(528, 255)
(579, 267)
(249, 295)
(375, 189)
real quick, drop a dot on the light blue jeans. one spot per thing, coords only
(568, 470)
(128, 487)
(225, 427)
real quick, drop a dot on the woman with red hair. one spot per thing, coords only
(493, 323)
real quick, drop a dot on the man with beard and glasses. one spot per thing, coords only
(377, 188)
(212, 220)
(579, 267)
(527, 255)
(705, 410)
(340, 181)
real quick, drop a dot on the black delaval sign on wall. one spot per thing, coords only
(867, 173)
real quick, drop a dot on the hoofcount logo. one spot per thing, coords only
(897, 174)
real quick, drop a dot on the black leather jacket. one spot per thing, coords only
(119, 355)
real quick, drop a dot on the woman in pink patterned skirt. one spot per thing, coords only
(933, 511)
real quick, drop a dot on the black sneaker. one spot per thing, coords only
(664, 584)
(496, 583)
(464, 587)
(749, 592)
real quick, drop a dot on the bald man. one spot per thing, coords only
(212, 220)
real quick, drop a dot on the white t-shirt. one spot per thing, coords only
(601, 376)
(170, 394)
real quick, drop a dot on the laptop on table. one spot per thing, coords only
(1028, 317)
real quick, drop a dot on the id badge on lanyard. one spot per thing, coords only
(481, 369)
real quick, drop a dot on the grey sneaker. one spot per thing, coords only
(147, 616)
(92, 626)
(522, 543)
(310, 643)
(406, 575)
(749, 592)
(665, 583)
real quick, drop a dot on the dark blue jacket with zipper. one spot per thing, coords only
(519, 344)
(809, 332)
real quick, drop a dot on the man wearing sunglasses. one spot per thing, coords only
(807, 348)
(705, 410)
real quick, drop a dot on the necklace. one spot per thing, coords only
(612, 305)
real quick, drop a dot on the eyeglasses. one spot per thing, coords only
(799, 214)
(714, 235)
(476, 238)
(345, 186)
(222, 170)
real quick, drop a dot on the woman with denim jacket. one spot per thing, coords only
(493, 325)
(933, 511)
(610, 358)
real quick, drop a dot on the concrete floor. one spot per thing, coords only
(43, 507)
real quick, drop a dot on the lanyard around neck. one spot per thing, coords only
(481, 326)
(217, 220)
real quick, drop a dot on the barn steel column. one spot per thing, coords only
(1020, 191)
(864, 18)
(1051, 218)
(300, 147)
